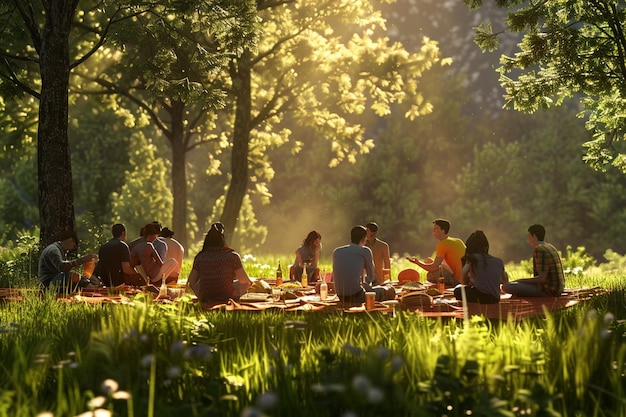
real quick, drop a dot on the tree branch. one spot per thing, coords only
(103, 36)
(31, 23)
(12, 77)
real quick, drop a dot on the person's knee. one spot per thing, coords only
(457, 292)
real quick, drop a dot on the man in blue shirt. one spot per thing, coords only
(349, 263)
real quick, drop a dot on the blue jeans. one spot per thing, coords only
(524, 289)
(472, 295)
(357, 298)
(63, 282)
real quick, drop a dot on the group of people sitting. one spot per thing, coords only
(155, 256)
(470, 268)
(362, 265)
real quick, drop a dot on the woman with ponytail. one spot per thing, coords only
(217, 274)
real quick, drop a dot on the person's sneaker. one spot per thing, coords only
(152, 289)
(96, 281)
(84, 282)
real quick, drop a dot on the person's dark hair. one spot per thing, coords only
(311, 237)
(67, 234)
(150, 229)
(476, 243)
(444, 224)
(372, 227)
(166, 232)
(158, 225)
(357, 234)
(117, 230)
(537, 230)
(214, 237)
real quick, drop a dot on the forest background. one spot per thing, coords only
(467, 160)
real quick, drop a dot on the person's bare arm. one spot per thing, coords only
(244, 281)
(67, 266)
(434, 266)
(192, 280)
(299, 259)
(127, 269)
(466, 274)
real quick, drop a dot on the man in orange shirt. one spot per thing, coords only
(448, 255)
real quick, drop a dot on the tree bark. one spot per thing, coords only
(56, 198)
(241, 140)
(179, 173)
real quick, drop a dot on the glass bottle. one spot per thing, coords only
(323, 290)
(305, 278)
(279, 275)
(441, 285)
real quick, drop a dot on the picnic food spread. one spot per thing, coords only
(421, 298)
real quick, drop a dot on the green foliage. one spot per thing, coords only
(165, 66)
(91, 234)
(294, 81)
(614, 263)
(146, 195)
(574, 263)
(100, 145)
(569, 49)
(248, 233)
(19, 262)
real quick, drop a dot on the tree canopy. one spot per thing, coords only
(570, 49)
(323, 65)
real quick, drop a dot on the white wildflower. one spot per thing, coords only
(109, 386)
(97, 402)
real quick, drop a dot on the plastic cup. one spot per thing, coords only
(370, 300)
(88, 268)
(276, 293)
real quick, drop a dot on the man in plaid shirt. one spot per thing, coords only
(548, 280)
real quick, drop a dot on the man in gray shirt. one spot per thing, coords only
(55, 269)
(349, 263)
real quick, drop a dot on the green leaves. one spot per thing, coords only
(570, 48)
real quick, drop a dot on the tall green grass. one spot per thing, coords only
(142, 358)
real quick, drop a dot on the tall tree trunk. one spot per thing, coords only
(56, 198)
(241, 139)
(179, 173)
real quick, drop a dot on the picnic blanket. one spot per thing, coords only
(512, 306)
(442, 306)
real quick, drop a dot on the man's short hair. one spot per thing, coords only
(117, 230)
(67, 234)
(150, 229)
(372, 227)
(443, 224)
(537, 230)
(357, 234)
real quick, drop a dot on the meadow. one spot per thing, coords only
(144, 358)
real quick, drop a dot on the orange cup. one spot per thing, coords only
(88, 268)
